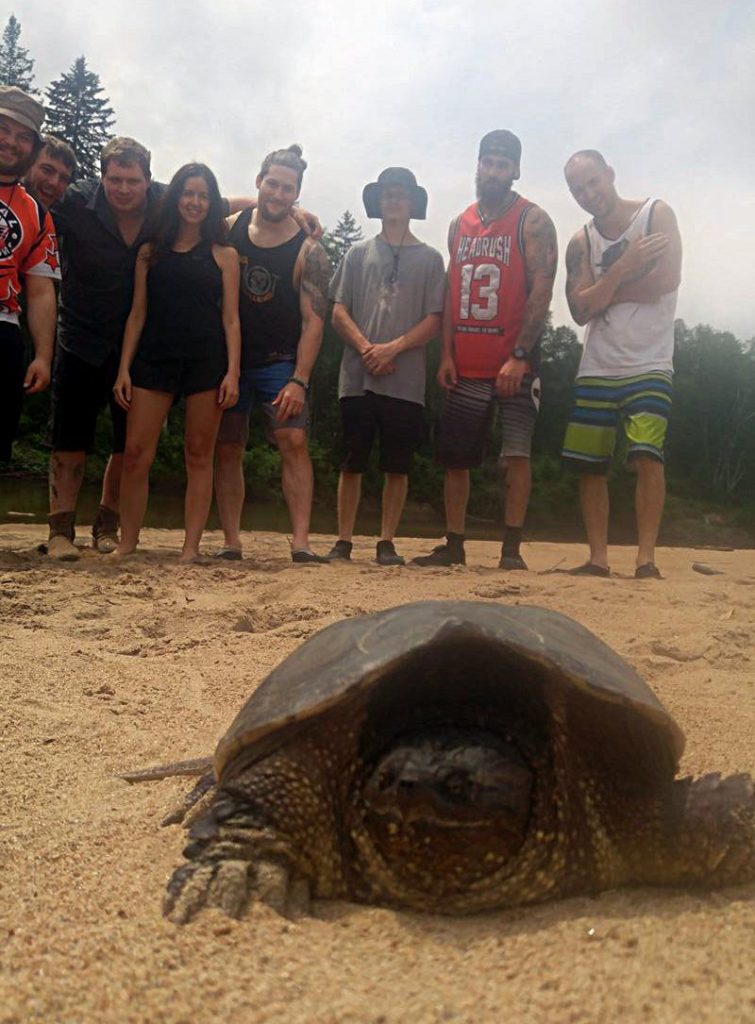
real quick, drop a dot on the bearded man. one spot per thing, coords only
(500, 282)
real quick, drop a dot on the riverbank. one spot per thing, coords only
(552, 516)
(107, 666)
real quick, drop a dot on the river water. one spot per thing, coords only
(25, 500)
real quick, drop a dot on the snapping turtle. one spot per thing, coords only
(455, 756)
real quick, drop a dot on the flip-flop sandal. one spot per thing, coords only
(228, 554)
(647, 571)
(590, 569)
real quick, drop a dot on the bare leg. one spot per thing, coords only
(230, 490)
(111, 482)
(66, 474)
(349, 492)
(202, 423)
(650, 495)
(456, 496)
(298, 482)
(594, 497)
(516, 489)
(395, 487)
(145, 418)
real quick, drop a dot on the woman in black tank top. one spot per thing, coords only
(182, 338)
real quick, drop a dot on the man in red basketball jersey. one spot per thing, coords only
(500, 282)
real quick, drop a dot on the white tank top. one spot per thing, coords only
(630, 337)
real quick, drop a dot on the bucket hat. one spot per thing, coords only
(395, 176)
(21, 107)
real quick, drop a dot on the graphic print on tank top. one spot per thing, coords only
(488, 288)
(258, 282)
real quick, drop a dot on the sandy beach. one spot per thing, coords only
(108, 666)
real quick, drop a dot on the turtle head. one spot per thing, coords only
(461, 790)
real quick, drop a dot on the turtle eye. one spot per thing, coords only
(456, 783)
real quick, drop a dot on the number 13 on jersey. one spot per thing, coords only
(484, 279)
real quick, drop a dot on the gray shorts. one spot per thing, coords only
(468, 415)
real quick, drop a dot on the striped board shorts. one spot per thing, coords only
(642, 403)
(468, 414)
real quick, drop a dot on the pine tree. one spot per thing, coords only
(77, 113)
(16, 66)
(338, 241)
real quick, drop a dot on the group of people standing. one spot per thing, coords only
(173, 291)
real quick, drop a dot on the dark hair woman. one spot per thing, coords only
(182, 337)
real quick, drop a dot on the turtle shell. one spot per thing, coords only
(612, 712)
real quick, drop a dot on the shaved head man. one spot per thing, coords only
(623, 272)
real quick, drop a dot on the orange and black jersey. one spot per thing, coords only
(28, 246)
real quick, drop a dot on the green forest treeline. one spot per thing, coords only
(710, 450)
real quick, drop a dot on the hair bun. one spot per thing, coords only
(295, 148)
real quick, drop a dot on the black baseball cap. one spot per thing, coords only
(501, 143)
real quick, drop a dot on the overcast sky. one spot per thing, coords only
(665, 88)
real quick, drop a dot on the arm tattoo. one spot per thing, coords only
(540, 245)
(315, 279)
(541, 259)
(574, 256)
(578, 278)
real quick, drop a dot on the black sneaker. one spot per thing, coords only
(340, 552)
(387, 555)
(305, 557)
(444, 554)
(512, 562)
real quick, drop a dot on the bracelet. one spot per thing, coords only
(301, 383)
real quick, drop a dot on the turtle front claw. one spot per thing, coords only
(228, 886)
(231, 861)
(192, 887)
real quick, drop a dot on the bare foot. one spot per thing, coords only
(121, 553)
(192, 558)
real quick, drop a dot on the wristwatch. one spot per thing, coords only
(519, 353)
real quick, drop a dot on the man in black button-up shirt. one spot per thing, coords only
(101, 224)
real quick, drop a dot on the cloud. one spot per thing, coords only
(666, 90)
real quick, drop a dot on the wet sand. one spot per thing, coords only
(106, 667)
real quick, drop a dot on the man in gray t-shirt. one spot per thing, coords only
(388, 294)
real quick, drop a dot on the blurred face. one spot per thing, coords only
(16, 147)
(592, 185)
(395, 204)
(125, 187)
(495, 175)
(48, 178)
(194, 202)
(278, 190)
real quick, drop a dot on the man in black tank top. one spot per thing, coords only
(282, 305)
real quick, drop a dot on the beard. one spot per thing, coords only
(492, 192)
(14, 166)
(273, 217)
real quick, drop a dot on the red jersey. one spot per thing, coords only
(488, 287)
(27, 246)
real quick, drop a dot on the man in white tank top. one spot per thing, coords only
(623, 273)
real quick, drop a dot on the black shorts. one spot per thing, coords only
(399, 424)
(12, 369)
(79, 392)
(180, 376)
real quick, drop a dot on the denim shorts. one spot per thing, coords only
(260, 385)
